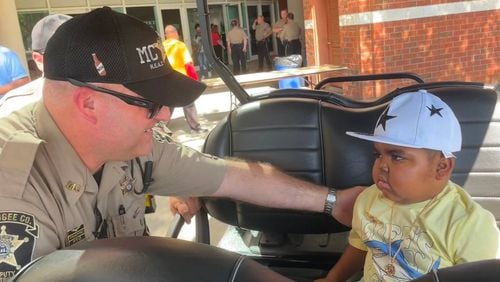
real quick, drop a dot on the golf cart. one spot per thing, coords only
(301, 131)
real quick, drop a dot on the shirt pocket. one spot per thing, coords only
(132, 223)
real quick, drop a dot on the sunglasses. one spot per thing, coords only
(153, 107)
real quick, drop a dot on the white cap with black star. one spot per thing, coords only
(417, 120)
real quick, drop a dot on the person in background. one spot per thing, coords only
(179, 58)
(12, 72)
(262, 33)
(237, 42)
(205, 70)
(31, 92)
(414, 220)
(217, 42)
(278, 28)
(291, 37)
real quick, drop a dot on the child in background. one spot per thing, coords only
(414, 219)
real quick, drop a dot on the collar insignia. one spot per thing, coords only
(71, 186)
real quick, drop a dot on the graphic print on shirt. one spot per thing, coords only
(405, 258)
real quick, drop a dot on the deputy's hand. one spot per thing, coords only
(186, 207)
(343, 209)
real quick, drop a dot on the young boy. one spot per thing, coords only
(414, 219)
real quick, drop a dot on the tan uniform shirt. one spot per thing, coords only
(21, 96)
(262, 31)
(48, 197)
(236, 35)
(279, 24)
(291, 31)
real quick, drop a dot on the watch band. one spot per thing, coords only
(331, 199)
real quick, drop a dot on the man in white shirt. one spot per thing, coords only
(28, 93)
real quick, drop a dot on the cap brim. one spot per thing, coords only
(173, 89)
(386, 140)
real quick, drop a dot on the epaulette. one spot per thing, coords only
(16, 159)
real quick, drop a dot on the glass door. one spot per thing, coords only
(267, 13)
(173, 17)
(252, 14)
(216, 18)
(145, 14)
(232, 12)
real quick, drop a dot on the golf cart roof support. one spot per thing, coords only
(219, 67)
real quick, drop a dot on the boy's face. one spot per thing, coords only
(408, 175)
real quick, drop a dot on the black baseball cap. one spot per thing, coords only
(110, 47)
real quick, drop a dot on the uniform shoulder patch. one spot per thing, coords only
(18, 235)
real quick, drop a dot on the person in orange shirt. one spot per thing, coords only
(180, 59)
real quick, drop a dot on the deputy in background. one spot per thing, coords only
(291, 37)
(278, 29)
(262, 33)
(237, 42)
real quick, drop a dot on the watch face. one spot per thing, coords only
(330, 201)
(331, 198)
(332, 195)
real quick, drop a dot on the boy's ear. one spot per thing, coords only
(444, 167)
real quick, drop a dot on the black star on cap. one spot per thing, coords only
(435, 110)
(384, 118)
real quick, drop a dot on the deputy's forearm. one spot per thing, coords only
(264, 185)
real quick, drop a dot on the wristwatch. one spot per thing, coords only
(331, 199)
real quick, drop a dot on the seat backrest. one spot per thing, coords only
(306, 138)
(477, 167)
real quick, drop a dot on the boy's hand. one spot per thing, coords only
(343, 208)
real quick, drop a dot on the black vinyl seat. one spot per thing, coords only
(484, 271)
(302, 137)
(138, 259)
(306, 138)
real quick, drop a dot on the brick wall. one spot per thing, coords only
(352, 6)
(463, 47)
(309, 34)
(457, 47)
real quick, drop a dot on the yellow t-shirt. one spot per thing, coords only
(451, 229)
(177, 54)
